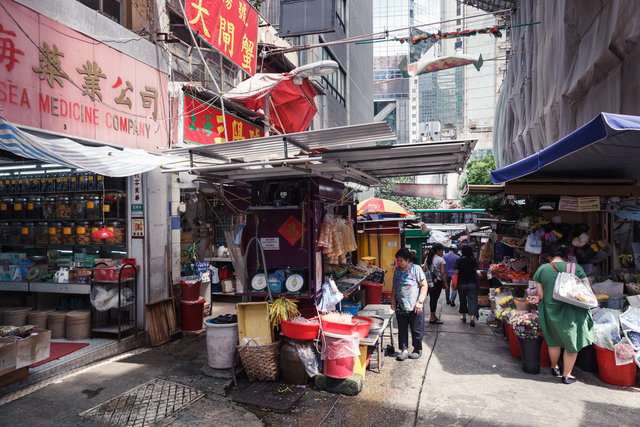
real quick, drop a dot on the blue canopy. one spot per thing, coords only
(606, 147)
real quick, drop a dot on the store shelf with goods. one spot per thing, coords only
(53, 193)
(217, 259)
(14, 286)
(304, 295)
(74, 219)
(60, 288)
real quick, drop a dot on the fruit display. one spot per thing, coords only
(507, 274)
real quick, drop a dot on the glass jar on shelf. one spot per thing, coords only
(83, 233)
(6, 208)
(55, 233)
(95, 226)
(15, 230)
(51, 184)
(20, 208)
(94, 207)
(48, 207)
(42, 233)
(91, 182)
(65, 183)
(34, 207)
(28, 233)
(82, 182)
(118, 229)
(99, 182)
(79, 208)
(63, 207)
(73, 182)
(110, 206)
(68, 238)
(4, 232)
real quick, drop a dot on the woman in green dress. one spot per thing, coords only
(564, 326)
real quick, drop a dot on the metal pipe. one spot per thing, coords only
(234, 166)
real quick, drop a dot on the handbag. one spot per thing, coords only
(569, 289)
(454, 282)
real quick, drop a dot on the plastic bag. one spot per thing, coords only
(214, 274)
(630, 319)
(634, 338)
(329, 298)
(571, 290)
(307, 354)
(533, 244)
(607, 328)
(103, 299)
(609, 287)
(624, 352)
(335, 346)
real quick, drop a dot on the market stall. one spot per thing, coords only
(572, 192)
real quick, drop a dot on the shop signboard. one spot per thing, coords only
(569, 204)
(579, 204)
(137, 201)
(435, 191)
(57, 79)
(203, 124)
(229, 26)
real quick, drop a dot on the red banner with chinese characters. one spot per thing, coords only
(203, 124)
(229, 26)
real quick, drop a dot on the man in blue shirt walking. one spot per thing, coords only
(450, 258)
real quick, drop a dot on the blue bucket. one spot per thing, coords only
(275, 285)
(349, 307)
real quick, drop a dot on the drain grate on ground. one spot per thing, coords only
(144, 405)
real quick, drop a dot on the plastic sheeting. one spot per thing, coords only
(582, 59)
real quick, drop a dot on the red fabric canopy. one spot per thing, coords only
(291, 106)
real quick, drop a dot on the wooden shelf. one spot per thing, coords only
(217, 259)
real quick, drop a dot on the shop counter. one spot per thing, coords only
(384, 312)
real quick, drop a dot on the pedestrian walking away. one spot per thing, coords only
(435, 265)
(465, 268)
(450, 258)
(563, 326)
(409, 290)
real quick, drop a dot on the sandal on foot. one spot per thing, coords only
(569, 380)
(436, 322)
(556, 372)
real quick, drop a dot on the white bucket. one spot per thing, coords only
(221, 344)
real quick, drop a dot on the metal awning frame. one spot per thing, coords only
(344, 154)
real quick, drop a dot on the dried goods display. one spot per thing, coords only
(506, 273)
(63, 208)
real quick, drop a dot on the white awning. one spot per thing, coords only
(104, 160)
(347, 154)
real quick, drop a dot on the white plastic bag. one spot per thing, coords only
(329, 298)
(533, 244)
(336, 346)
(103, 299)
(607, 328)
(609, 287)
(624, 352)
(571, 290)
(630, 319)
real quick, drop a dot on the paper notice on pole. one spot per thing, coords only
(270, 243)
(392, 244)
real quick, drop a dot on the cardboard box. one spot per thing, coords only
(42, 346)
(186, 236)
(24, 349)
(7, 355)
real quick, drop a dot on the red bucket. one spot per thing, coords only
(190, 290)
(340, 328)
(386, 295)
(299, 331)
(338, 368)
(611, 373)
(514, 345)
(364, 324)
(374, 292)
(192, 315)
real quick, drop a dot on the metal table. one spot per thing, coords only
(384, 312)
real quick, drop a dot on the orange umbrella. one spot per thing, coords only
(377, 205)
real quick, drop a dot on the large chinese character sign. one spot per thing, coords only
(229, 26)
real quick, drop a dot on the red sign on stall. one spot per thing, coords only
(203, 124)
(229, 26)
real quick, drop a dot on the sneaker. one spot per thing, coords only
(402, 356)
(415, 354)
(569, 380)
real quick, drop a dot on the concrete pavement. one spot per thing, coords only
(465, 376)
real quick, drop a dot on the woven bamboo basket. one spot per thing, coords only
(261, 362)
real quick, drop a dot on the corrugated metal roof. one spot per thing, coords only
(346, 153)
